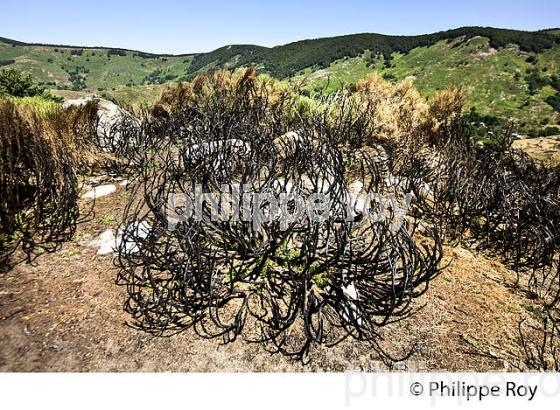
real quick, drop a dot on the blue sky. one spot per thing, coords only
(172, 26)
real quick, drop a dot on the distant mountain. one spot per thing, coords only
(504, 72)
(286, 60)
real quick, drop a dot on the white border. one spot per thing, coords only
(260, 391)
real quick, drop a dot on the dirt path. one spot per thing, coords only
(65, 314)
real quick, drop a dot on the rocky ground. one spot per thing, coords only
(64, 313)
(546, 149)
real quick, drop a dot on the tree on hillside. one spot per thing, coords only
(16, 84)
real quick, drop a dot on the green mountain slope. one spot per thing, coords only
(503, 82)
(93, 69)
(505, 73)
(284, 61)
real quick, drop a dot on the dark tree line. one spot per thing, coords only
(286, 60)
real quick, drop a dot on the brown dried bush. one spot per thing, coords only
(40, 155)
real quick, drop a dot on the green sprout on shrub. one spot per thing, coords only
(319, 280)
(107, 219)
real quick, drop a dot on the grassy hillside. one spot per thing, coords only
(504, 82)
(505, 73)
(94, 69)
(285, 61)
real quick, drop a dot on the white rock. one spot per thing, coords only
(361, 202)
(350, 312)
(109, 116)
(77, 102)
(356, 187)
(106, 243)
(350, 291)
(99, 191)
(356, 199)
(287, 143)
(135, 230)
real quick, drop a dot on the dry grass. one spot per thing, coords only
(242, 86)
(41, 150)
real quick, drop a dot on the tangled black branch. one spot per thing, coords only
(505, 204)
(291, 287)
(38, 181)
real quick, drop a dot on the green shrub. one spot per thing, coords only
(15, 84)
(535, 81)
(554, 101)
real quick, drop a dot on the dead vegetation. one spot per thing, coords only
(304, 287)
(291, 288)
(40, 157)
